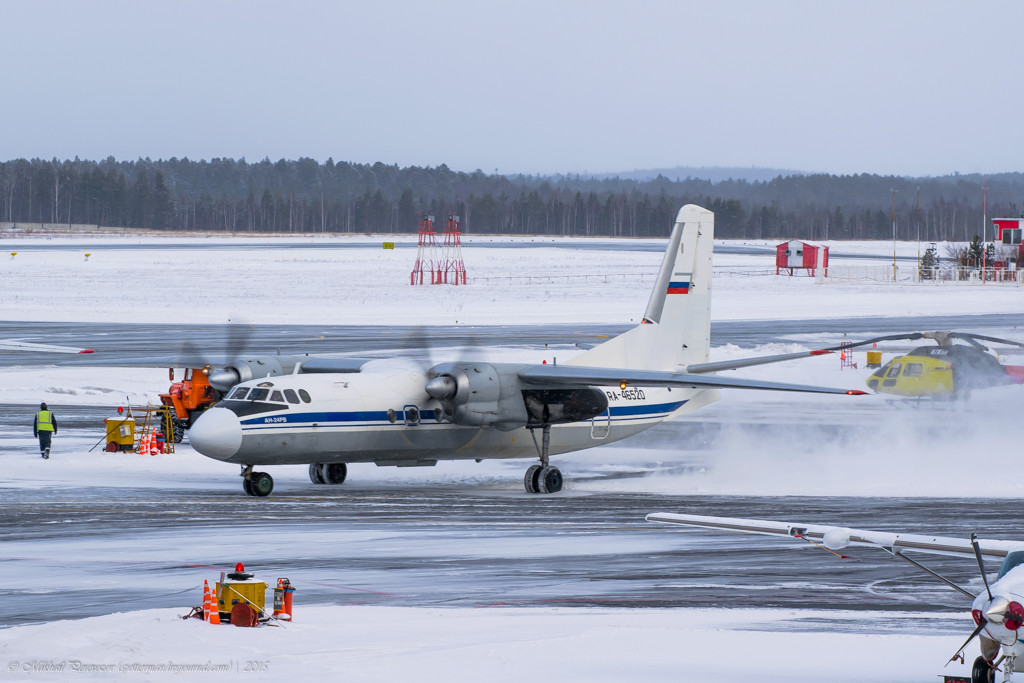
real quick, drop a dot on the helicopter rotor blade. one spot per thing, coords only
(889, 337)
(968, 336)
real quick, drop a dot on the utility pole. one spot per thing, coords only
(894, 234)
(984, 231)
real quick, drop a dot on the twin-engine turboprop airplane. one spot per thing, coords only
(998, 611)
(328, 412)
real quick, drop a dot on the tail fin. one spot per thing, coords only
(676, 329)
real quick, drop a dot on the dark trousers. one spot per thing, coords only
(44, 441)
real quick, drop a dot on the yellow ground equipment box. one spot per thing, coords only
(874, 359)
(120, 433)
(239, 586)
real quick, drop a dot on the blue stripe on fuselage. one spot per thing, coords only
(337, 419)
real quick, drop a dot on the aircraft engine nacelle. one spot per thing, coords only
(228, 376)
(479, 394)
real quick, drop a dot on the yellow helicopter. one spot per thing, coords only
(945, 370)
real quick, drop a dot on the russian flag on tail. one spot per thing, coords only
(678, 287)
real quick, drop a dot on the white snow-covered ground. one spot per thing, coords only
(256, 283)
(240, 281)
(384, 644)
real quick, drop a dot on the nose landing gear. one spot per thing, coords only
(258, 484)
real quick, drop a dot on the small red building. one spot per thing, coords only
(1010, 232)
(796, 254)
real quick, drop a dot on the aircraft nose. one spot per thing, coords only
(216, 434)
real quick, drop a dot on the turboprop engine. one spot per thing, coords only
(228, 376)
(492, 395)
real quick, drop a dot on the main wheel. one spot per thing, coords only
(549, 480)
(247, 487)
(261, 484)
(334, 473)
(982, 672)
(530, 480)
(316, 473)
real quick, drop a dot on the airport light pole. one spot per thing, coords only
(894, 234)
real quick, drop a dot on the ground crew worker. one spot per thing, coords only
(45, 426)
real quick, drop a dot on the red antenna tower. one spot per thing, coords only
(426, 255)
(453, 268)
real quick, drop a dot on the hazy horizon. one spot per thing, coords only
(916, 88)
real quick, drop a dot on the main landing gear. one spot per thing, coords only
(543, 478)
(328, 473)
(257, 484)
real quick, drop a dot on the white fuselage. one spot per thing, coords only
(382, 414)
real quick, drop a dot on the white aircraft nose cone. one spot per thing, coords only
(216, 434)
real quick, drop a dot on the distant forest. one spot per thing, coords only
(309, 197)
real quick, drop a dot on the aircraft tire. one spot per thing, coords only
(982, 672)
(530, 480)
(334, 473)
(261, 484)
(316, 473)
(247, 487)
(549, 480)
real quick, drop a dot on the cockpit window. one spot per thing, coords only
(276, 396)
(239, 393)
(290, 395)
(913, 370)
(259, 394)
(894, 370)
(304, 395)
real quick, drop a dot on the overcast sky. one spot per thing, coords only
(910, 88)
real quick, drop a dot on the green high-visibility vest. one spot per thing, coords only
(44, 421)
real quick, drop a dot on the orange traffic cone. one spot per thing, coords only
(214, 608)
(206, 600)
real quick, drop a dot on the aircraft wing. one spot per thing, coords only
(576, 376)
(18, 345)
(836, 537)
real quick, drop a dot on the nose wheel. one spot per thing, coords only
(543, 478)
(258, 484)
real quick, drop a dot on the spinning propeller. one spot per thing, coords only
(236, 338)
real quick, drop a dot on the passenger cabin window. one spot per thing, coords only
(913, 370)
(259, 394)
(277, 396)
(239, 393)
(291, 396)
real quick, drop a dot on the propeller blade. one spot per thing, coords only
(981, 564)
(238, 337)
(974, 634)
